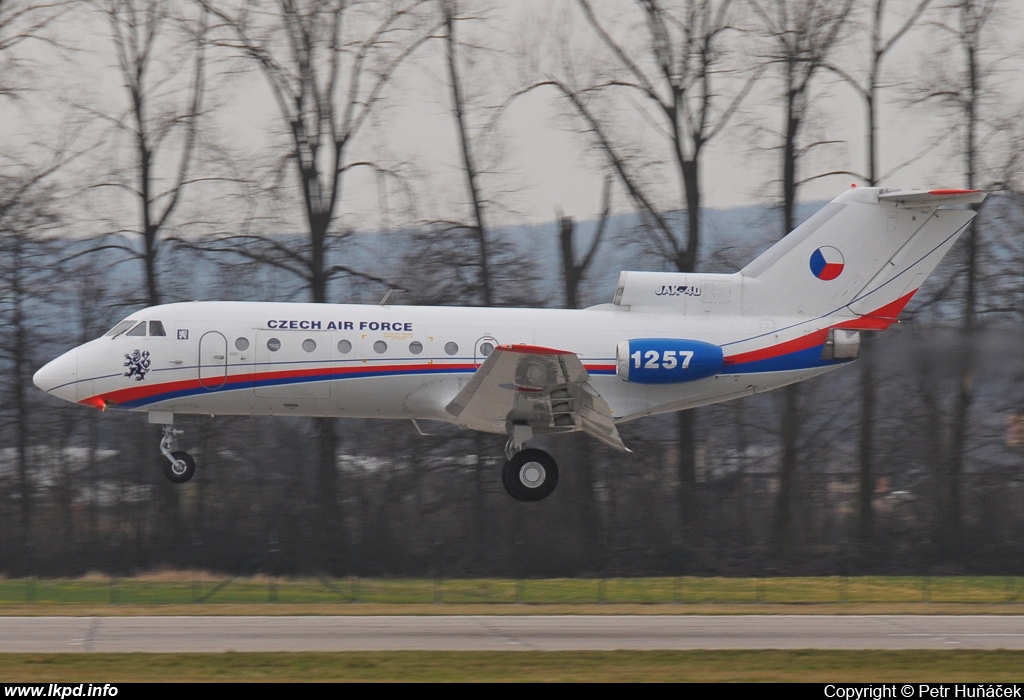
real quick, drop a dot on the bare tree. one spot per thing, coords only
(678, 64)
(574, 269)
(24, 214)
(25, 270)
(798, 38)
(868, 85)
(327, 64)
(675, 74)
(966, 88)
(21, 21)
(154, 46)
(450, 12)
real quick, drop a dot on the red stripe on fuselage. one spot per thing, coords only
(137, 393)
(878, 320)
(796, 345)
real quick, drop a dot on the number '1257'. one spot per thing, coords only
(667, 359)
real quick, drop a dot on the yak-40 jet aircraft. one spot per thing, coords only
(667, 342)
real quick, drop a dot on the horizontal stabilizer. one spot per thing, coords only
(933, 197)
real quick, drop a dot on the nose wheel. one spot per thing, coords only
(530, 475)
(181, 467)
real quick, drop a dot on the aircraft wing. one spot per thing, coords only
(547, 389)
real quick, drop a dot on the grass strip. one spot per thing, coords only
(229, 609)
(528, 666)
(184, 588)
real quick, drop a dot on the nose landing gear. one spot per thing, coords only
(181, 466)
(529, 474)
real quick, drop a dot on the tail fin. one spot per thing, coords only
(863, 255)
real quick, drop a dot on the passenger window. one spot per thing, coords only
(138, 330)
(486, 349)
(380, 346)
(451, 348)
(415, 347)
(120, 328)
(344, 347)
(241, 344)
(273, 345)
(156, 328)
(309, 345)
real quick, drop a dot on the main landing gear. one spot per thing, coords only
(529, 474)
(181, 466)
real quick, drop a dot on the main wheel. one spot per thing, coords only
(181, 469)
(531, 475)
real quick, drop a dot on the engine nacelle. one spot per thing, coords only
(841, 345)
(666, 360)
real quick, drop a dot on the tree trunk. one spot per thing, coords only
(468, 162)
(689, 514)
(784, 515)
(328, 522)
(866, 480)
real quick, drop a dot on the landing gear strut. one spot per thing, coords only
(180, 467)
(529, 474)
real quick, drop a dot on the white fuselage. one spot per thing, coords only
(249, 358)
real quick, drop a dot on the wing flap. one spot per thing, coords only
(545, 388)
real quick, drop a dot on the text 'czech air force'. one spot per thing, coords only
(293, 325)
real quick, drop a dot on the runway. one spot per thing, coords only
(507, 633)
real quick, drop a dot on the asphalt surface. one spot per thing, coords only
(526, 632)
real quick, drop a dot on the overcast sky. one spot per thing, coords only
(548, 167)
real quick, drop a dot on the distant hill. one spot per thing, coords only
(733, 237)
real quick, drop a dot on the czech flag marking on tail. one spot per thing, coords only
(827, 263)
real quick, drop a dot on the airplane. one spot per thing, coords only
(668, 341)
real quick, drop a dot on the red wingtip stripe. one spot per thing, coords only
(953, 191)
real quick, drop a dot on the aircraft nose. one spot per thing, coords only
(58, 377)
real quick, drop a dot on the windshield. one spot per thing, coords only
(120, 328)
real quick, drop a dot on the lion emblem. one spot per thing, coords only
(137, 364)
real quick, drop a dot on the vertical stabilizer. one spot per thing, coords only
(862, 255)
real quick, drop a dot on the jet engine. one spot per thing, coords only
(841, 345)
(666, 360)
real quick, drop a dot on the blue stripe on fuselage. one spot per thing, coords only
(809, 358)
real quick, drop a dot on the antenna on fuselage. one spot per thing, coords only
(387, 295)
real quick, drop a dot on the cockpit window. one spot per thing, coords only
(156, 328)
(139, 329)
(120, 328)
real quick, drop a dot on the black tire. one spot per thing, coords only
(174, 471)
(531, 475)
